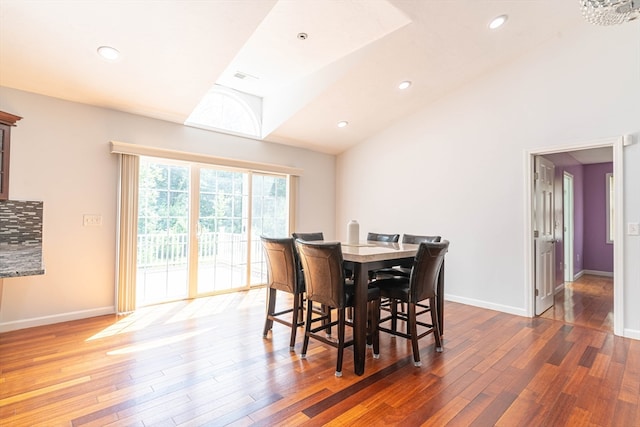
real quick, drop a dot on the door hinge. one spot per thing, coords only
(537, 293)
(536, 176)
(536, 234)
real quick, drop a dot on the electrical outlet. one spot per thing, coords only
(90, 220)
(633, 229)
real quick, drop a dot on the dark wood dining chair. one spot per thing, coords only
(284, 275)
(381, 237)
(373, 237)
(421, 285)
(385, 273)
(313, 236)
(322, 264)
(405, 271)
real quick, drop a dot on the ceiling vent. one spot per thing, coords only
(241, 75)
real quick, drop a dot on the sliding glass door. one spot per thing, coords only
(199, 228)
(222, 230)
(163, 223)
(269, 217)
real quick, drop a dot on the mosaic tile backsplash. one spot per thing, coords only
(20, 222)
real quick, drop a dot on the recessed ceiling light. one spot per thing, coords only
(405, 84)
(342, 123)
(108, 53)
(302, 36)
(498, 21)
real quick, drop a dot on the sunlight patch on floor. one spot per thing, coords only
(178, 311)
(162, 342)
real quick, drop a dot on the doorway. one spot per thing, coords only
(614, 146)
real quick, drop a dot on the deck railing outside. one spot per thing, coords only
(156, 250)
(222, 264)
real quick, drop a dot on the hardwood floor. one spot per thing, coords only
(204, 362)
(586, 302)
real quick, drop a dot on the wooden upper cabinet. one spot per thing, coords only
(6, 122)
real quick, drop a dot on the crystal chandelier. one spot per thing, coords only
(610, 12)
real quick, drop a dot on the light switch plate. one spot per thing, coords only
(633, 229)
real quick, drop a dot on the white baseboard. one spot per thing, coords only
(56, 318)
(627, 333)
(598, 273)
(518, 311)
(631, 333)
(578, 275)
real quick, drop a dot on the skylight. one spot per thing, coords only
(228, 110)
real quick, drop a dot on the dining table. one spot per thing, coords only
(363, 257)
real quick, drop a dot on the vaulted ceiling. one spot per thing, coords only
(348, 67)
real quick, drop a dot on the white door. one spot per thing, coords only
(544, 234)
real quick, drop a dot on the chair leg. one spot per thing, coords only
(393, 303)
(307, 328)
(413, 332)
(436, 324)
(327, 310)
(295, 321)
(300, 306)
(370, 315)
(271, 306)
(341, 327)
(374, 315)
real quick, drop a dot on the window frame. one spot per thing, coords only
(610, 203)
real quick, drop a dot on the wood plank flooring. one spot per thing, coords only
(586, 302)
(204, 362)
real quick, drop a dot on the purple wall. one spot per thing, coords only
(578, 217)
(598, 254)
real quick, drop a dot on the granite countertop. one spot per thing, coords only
(20, 260)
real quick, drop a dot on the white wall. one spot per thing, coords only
(60, 154)
(457, 167)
